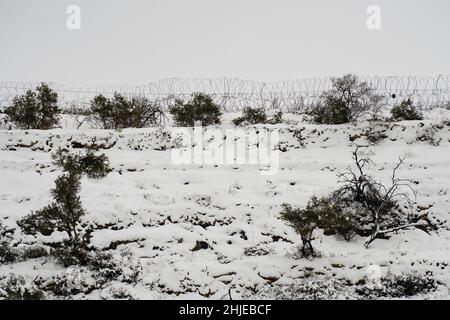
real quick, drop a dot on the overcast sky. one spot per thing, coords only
(132, 41)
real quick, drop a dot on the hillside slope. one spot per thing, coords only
(211, 231)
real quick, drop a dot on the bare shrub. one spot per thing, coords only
(377, 208)
(361, 205)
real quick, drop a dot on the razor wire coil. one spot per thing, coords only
(235, 94)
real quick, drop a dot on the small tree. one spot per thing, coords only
(35, 110)
(65, 212)
(347, 101)
(120, 112)
(406, 111)
(201, 108)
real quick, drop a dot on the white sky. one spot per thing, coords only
(132, 41)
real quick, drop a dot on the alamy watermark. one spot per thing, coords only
(373, 21)
(219, 146)
(73, 21)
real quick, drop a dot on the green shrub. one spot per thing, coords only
(406, 111)
(69, 254)
(332, 111)
(35, 110)
(200, 108)
(347, 101)
(252, 116)
(257, 116)
(304, 222)
(318, 214)
(120, 112)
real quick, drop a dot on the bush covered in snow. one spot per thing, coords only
(308, 288)
(69, 254)
(375, 137)
(100, 270)
(398, 286)
(121, 112)
(35, 109)
(122, 267)
(14, 287)
(8, 254)
(406, 110)
(200, 107)
(347, 101)
(429, 135)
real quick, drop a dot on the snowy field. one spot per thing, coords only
(214, 232)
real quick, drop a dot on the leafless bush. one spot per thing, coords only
(378, 207)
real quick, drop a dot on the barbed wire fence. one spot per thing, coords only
(235, 94)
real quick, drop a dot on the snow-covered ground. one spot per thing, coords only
(205, 231)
